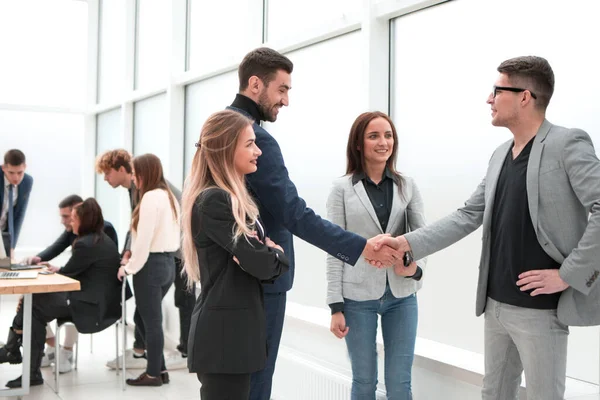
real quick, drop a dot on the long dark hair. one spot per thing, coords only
(90, 217)
(355, 158)
(149, 171)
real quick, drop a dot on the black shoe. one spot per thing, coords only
(165, 377)
(182, 351)
(35, 380)
(12, 357)
(11, 352)
(145, 380)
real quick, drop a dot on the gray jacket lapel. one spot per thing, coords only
(491, 181)
(533, 172)
(395, 212)
(360, 191)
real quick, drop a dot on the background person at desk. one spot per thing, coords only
(95, 262)
(64, 241)
(14, 196)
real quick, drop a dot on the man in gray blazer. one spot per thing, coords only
(539, 205)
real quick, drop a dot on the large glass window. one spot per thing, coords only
(201, 100)
(222, 32)
(111, 52)
(153, 34)
(312, 134)
(112, 200)
(48, 141)
(294, 19)
(150, 128)
(44, 52)
(446, 138)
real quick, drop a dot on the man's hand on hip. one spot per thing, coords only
(544, 281)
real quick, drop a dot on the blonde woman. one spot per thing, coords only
(226, 249)
(156, 236)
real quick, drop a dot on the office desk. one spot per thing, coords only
(26, 287)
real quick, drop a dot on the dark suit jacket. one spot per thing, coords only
(285, 213)
(67, 238)
(228, 329)
(23, 189)
(94, 263)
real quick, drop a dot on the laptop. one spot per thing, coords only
(5, 262)
(19, 275)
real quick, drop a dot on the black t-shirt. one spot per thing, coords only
(514, 244)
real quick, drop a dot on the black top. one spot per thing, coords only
(67, 238)
(248, 105)
(514, 244)
(94, 263)
(228, 327)
(381, 195)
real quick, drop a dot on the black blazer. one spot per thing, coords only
(94, 263)
(67, 238)
(228, 329)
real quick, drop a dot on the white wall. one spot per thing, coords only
(43, 52)
(445, 61)
(201, 100)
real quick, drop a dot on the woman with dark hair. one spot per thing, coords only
(226, 249)
(372, 199)
(94, 262)
(156, 236)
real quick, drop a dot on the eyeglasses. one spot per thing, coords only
(511, 89)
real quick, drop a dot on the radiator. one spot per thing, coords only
(300, 377)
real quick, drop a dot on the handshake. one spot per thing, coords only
(384, 251)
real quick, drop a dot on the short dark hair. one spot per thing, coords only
(14, 157)
(263, 63)
(90, 217)
(534, 72)
(70, 201)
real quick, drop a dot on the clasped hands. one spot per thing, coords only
(383, 251)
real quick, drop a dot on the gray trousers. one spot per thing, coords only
(518, 339)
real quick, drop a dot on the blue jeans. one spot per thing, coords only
(399, 327)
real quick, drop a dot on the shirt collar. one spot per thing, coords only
(6, 182)
(249, 106)
(362, 175)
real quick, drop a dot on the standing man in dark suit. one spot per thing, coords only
(265, 80)
(14, 196)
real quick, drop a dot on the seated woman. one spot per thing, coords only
(94, 262)
(225, 248)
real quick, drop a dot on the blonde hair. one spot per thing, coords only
(213, 167)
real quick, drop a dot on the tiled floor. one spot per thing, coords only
(92, 380)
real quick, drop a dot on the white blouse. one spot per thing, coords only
(158, 231)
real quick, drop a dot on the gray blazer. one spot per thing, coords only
(349, 207)
(563, 190)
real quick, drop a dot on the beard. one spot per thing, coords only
(266, 108)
